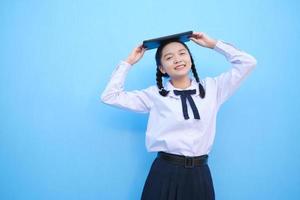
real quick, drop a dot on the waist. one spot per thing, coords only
(186, 161)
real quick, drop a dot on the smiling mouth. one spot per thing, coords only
(179, 67)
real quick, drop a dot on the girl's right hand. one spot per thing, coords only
(136, 54)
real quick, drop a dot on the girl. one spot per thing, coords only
(182, 114)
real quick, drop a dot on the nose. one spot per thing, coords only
(177, 60)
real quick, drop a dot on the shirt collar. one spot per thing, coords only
(171, 88)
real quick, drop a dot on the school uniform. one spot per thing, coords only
(181, 126)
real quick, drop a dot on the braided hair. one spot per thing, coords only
(159, 74)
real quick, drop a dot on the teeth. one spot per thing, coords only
(180, 67)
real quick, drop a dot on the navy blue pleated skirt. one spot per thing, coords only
(168, 181)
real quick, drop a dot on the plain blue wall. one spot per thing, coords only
(58, 141)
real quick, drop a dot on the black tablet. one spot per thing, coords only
(155, 43)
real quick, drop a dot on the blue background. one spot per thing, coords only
(59, 141)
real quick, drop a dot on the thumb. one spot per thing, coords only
(194, 40)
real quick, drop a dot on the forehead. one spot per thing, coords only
(172, 47)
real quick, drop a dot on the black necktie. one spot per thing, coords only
(186, 95)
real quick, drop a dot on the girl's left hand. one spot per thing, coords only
(203, 40)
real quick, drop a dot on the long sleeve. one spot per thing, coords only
(242, 64)
(114, 94)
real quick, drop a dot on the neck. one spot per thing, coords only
(182, 82)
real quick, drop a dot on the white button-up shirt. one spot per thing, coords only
(167, 130)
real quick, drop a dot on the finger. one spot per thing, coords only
(195, 39)
(138, 47)
(198, 34)
(142, 47)
(195, 33)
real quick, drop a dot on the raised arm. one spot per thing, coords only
(114, 94)
(242, 64)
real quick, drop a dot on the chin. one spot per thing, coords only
(178, 76)
(182, 73)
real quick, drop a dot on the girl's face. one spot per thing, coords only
(175, 60)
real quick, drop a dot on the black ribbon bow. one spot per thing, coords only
(186, 95)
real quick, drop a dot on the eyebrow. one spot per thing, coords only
(172, 53)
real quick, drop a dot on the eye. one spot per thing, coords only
(168, 58)
(182, 53)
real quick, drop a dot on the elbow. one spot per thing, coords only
(104, 98)
(108, 99)
(252, 62)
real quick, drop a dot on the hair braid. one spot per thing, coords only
(159, 83)
(201, 89)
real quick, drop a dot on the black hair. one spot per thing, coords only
(159, 74)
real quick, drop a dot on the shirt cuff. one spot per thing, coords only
(123, 67)
(225, 48)
(122, 62)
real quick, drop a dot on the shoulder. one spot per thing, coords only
(208, 82)
(151, 90)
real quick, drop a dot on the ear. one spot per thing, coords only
(162, 70)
